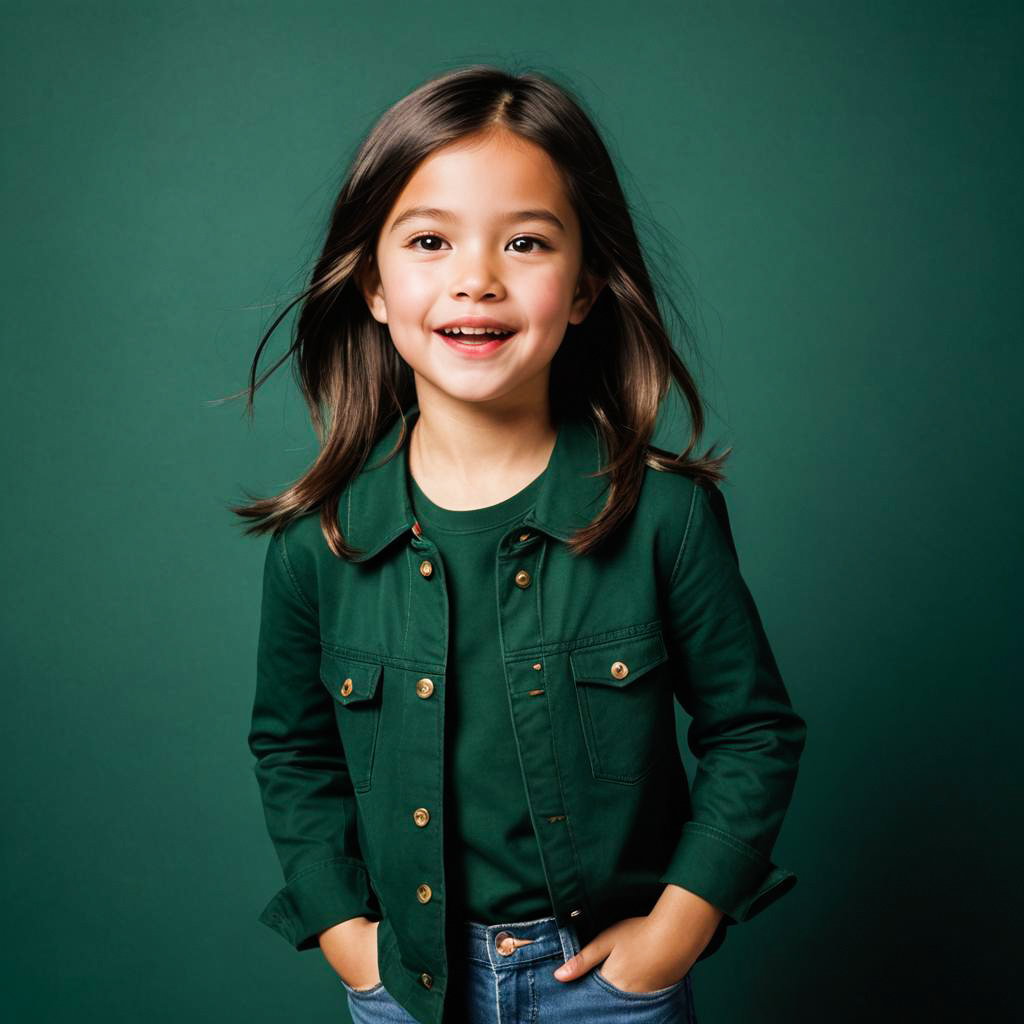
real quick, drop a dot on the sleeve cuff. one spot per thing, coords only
(319, 896)
(727, 872)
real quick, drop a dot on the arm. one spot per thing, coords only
(744, 732)
(307, 796)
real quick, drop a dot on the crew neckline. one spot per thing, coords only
(469, 520)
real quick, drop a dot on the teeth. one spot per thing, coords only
(455, 331)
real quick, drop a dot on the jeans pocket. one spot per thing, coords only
(658, 993)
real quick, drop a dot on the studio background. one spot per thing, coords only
(840, 183)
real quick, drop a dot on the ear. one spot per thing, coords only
(587, 290)
(368, 280)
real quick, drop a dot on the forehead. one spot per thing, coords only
(483, 177)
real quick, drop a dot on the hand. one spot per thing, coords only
(643, 954)
(351, 949)
(632, 956)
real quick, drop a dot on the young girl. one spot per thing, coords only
(484, 600)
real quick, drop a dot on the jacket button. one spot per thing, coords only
(424, 688)
(426, 979)
(421, 816)
(620, 669)
(524, 536)
(346, 687)
(522, 578)
(423, 893)
(426, 569)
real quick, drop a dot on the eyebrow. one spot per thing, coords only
(437, 214)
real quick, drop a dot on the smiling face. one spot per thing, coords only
(483, 229)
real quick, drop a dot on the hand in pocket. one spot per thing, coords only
(351, 949)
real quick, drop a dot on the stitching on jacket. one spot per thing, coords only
(569, 820)
(639, 630)
(283, 549)
(731, 572)
(374, 658)
(320, 865)
(538, 602)
(729, 840)
(558, 646)
(686, 536)
(409, 555)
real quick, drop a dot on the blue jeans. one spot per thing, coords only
(506, 980)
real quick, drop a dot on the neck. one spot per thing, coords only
(470, 455)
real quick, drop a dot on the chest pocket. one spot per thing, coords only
(355, 687)
(625, 707)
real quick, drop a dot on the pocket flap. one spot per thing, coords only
(618, 662)
(349, 680)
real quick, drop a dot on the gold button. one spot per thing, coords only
(423, 893)
(522, 578)
(346, 687)
(620, 669)
(426, 979)
(426, 569)
(536, 666)
(504, 944)
(524, 536)
(424, 688)
(574, 913)
(421, 816)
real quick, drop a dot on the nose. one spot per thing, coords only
(476, 277)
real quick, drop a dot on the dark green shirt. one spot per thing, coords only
(493, 863)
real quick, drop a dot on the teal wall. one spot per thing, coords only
(841, 182)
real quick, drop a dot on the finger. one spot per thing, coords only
(591, 954)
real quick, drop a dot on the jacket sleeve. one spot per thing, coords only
(744, 732)
(307, 795)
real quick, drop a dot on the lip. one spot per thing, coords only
(475, 350)
(476, 321)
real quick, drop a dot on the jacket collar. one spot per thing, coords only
(376, 508)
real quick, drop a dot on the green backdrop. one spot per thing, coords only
(840, 182)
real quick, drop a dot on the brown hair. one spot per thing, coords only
(616, 366)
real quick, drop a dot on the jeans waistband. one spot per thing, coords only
(504, 946)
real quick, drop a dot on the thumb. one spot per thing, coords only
(591, 954)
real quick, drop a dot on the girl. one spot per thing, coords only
(485, 598)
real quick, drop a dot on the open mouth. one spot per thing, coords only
(474, 337)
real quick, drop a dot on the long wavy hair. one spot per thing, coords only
(615, 367)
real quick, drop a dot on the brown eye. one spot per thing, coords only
(529, 240)
(419, 238)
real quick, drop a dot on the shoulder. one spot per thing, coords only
(669, 495)
(298, 550)
(684, 509)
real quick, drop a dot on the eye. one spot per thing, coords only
(530, 240)
(418, 238)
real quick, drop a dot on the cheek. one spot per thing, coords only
(410, 298)
(550, 297)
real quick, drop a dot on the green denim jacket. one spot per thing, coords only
(348, 717)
